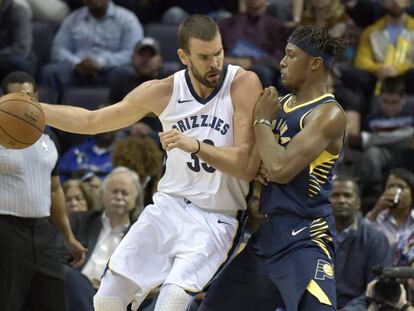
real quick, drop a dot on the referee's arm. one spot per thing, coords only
(60, 219)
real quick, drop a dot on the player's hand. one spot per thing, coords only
(175, 139)
(263, 175)
(267, 104)
(77, 250)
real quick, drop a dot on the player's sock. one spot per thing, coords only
(172, 298)
(108, 304)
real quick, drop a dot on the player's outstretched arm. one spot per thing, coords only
(323, 127)
(242, 160)
(150, 96)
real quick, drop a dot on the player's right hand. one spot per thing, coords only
(175, 139)
(385, 201)
(267, 104)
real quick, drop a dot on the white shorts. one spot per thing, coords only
(174, 242)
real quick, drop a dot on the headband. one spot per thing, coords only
(309, 49)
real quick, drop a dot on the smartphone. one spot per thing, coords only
(396, 199)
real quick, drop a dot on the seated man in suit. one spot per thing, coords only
(101, 232)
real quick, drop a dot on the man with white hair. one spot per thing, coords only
(101, 232)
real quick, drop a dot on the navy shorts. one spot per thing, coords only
(286, 265)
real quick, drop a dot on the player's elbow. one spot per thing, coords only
(249, 172)
(91, 123)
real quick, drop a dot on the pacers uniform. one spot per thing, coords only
(188, 233)
(288, 262)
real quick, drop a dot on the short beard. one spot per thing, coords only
(203, 80)
(395, 14)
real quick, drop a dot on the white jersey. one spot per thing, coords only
(209, 120)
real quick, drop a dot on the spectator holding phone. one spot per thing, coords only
(393, 211)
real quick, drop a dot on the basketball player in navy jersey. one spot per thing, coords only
(182, 240)
(288, 262)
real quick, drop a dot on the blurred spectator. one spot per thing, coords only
(53, 11)
(364, 13)
(75, 4)
(360, 246)
(91, 42)
(350, 100)
(94, 156)
(146, 65)
(100, 232)
(387, 136)
(255, 40)
(178, 10)
(15, 38)
(386, 48)
(393, 214)
(92, 185)
(77, 197)
(148, 11)
(288, 11)
(329, 13)
(143, 156)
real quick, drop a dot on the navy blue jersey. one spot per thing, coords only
(306, 195)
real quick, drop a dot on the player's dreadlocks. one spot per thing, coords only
(318, 42)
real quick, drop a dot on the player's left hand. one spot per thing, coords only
(267, 104)
(175, 139)
(263, 175)
(77, 250)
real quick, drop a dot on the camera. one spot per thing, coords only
(388, 289)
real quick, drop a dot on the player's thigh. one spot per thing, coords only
(144, 254)
(242, 286)
(308, 270)
(310, 302)
(205, 244)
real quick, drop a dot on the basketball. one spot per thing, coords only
(22, 121)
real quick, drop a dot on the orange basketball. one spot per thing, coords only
(22, 121)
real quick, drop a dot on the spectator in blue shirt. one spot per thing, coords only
(360, 246)
(91, 42)
(93, 156)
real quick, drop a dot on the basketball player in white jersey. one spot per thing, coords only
(182, 240)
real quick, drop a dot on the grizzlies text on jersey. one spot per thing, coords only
(210, 120)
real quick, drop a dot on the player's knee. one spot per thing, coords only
(108, 303)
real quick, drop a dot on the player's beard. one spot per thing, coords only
(203, 79)
(395, 13)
